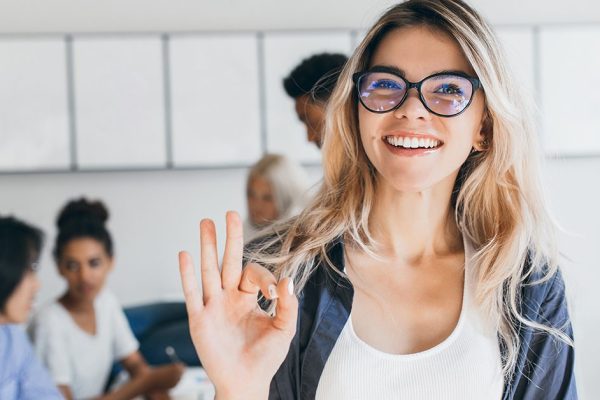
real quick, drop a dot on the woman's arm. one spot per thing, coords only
(66, 392)
(145, 380)
(160, 379)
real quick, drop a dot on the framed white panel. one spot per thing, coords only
(34, 122)
(215, 100)
(282, 52)
(519, 46)
(569, 89)
(119, 95)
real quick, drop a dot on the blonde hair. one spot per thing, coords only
(287, 179)
(498, 199)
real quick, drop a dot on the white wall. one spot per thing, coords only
(182, 15)
(574, 196)
(155, 214)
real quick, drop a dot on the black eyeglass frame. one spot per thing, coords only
(356, 78)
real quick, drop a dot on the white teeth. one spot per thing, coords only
(412, 143)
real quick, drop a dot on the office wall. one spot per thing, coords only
(184, 15)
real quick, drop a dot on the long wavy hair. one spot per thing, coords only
(497, 200)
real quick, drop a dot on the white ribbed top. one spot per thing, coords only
(466, 365)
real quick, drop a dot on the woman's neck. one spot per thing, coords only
(415, 226)
(76, 305)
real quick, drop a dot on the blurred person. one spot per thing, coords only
(22, 376)
(276, 189)
(310, 84)
(79, 335)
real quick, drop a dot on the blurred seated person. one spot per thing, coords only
(79, 335)
(276, 189)
(22, 376)
(310, 84)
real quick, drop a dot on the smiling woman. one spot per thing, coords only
(426, 266)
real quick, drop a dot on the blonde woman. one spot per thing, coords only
(426, 266)
(276, 189)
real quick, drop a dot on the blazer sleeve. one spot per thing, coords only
(548, 370)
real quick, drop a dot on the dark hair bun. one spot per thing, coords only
(82, 210)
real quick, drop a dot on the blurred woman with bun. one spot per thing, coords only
(79, 335)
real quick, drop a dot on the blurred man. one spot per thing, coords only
(310, 84)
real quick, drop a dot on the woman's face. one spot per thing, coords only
(85, 265)
(19, 303)
(420, 52)
(262, 209)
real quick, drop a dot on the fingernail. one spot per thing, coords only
(272, 292)
(291, 287)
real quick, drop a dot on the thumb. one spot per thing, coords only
(286, 310)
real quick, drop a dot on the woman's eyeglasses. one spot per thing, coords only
(382, 89)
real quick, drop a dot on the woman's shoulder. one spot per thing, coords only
(49, 312)
(542, 281)
(543, 296)
(11, 336)
(14, 343)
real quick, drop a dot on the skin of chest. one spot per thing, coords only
(84, 319)
(405, 309)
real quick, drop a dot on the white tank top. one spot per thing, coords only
(466, 365)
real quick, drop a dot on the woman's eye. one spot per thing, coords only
(72, 266)
(96, 262)
(385, 84)
(449, 88)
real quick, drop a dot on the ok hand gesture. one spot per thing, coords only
(240, 346)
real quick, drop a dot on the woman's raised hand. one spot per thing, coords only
(240, 346)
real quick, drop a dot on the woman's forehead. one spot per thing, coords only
(420, 51)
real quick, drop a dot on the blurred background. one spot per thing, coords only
(159, 107)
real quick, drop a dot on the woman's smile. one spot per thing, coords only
(412, 144)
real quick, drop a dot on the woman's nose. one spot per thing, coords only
(412, 107)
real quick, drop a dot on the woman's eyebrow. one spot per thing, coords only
(401, 72)
(390, 68)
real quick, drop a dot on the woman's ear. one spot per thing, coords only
(483, 140)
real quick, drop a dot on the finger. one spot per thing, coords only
(234, 249)
(286, 310)
(191, 290)
(255, 278)
(209, 261)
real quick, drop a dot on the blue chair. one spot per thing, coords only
(157, 326)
